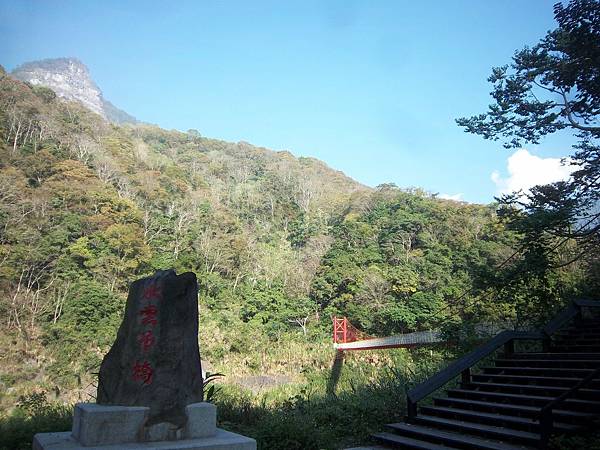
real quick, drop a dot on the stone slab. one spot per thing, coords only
(101, 424)
(105, 425)
(222, 440)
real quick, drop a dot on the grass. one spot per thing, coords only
(312, 418)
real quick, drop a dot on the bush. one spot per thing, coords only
(34, 414)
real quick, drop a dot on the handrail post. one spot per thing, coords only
(546, 342)
(546, 425)
(335, 329)
(579, 312)
(509, 347)
(546, 413)
(465, 377)
(411, 408)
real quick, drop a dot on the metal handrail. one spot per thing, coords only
(582, 302)
(546, 417)
(463, 365)
(561, 318)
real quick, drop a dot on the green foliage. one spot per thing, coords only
(35, 414)
(395, 267)
(589, 441)
(209, 388)
(92, 313)
(46, 94)
(271, 308)
(89, 320)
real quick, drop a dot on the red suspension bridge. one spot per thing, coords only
(348, 337)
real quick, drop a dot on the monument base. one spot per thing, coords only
(222, 440)
(103, 427)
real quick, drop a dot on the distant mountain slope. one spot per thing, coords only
(71, 79)
(248, 213)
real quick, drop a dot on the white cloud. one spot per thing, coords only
(526, 170)
(455, 197)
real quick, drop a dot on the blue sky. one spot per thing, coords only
(370, 87)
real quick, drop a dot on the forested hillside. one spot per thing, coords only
(87, 207)
(279, 244)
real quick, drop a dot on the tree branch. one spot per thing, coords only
(572, 121)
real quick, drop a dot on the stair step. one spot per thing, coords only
(534, 411)
(589, 332)
(551, 355)
(508, 370)
(537, 400)
(501, 420)
(579, 343)
(576, 343)
(449, 438)
(549, 363)
(533, 389)
(578, 348)
(407, 442)
(577, 337)
(478, 428)
(518, 387)
(531, 378)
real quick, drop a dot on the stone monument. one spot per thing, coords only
(150, 382)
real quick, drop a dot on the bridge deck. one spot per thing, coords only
(398, 341)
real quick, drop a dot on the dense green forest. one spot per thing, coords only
(280, 245)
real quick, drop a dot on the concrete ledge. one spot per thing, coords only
(103, 424)
(377, 447)
(222, 440)
(202, 421)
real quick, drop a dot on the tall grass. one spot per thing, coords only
(315, 416)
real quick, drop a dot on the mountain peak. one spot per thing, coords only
(71, 79)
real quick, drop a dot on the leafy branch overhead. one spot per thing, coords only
(551, 86)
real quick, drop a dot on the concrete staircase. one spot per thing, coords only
(500, 406)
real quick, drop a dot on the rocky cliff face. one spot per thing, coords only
(71, 79)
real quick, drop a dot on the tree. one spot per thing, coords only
(551, 87)
(114, 254)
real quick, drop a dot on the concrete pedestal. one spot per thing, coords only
(101, 427)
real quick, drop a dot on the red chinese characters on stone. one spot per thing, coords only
(152, 292)
(149, 314)
(142, 372)
(146, 340)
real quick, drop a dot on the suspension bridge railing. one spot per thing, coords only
(344, 332)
